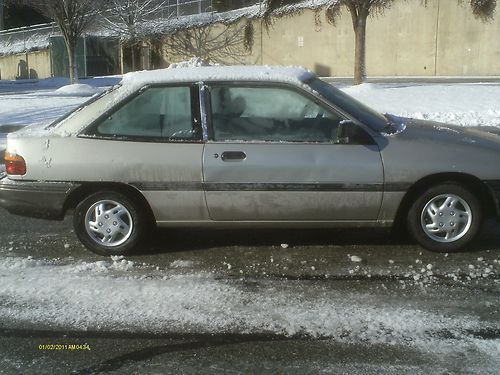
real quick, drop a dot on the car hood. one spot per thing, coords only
(437, 132)
(414, 149)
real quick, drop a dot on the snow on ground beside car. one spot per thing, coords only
(41, 102)
(27, 85)
(466, 104)
(119, 295)
(105, 295)
(473, 104)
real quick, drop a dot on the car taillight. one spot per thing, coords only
(14, 164)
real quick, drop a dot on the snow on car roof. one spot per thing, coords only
(295, 75)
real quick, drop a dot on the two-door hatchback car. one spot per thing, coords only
(248, 146)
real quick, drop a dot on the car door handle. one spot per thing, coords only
(233, 155)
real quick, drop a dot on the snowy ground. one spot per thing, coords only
(421, 312)
(284, 290)
(467, 104)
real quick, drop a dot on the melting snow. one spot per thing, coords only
(77, 89)
(355, 258)
(72, 295)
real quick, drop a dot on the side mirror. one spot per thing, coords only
(343, 131)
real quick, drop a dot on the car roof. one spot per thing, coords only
(294, 75)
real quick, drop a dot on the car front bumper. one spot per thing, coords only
(38, 199)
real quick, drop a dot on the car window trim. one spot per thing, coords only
(322, 102)
(195, 117)
(204, 105)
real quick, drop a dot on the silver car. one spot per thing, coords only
(248, 146)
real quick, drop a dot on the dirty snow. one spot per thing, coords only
(57, 294)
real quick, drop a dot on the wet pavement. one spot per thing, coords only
(247, 301)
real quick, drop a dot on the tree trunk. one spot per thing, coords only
(360, 49)
(73, 69)
(122, 59)
(132, 52)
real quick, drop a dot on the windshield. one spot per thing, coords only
(356, 109)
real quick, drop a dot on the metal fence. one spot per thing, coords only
(25, 39)
(97, 52)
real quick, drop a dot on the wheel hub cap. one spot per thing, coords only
(446, 218)
(108, 223)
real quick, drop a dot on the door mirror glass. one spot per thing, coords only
(349, 132)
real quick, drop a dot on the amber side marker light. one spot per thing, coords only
(14, 164)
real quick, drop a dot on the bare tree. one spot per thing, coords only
(219, 43)
(360, 10)
(127, 18)
(73, 17)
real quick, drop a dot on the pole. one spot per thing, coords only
(85, 56)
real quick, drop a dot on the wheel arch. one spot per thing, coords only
(474, 184)
(87, 189)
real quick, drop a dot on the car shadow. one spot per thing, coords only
(177, 240)
(171, 240)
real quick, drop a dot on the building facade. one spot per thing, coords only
(409, 39)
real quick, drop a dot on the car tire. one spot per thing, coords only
(445, 218)
(109, 223)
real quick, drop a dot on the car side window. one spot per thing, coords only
(158, 112)
(270, 114)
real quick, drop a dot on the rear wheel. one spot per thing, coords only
(109, 223)
(445, 218)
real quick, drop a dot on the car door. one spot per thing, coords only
(274, 154)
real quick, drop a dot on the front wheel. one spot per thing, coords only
(109, 223)
(445, 218)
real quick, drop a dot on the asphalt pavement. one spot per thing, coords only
(359, 301)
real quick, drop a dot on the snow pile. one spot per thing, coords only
(118, 263)
(16, 263)
(192, 63)
(77, 89)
